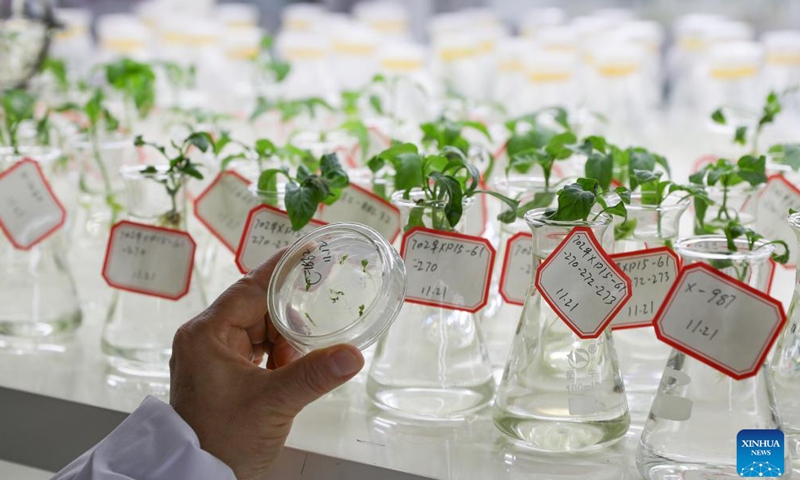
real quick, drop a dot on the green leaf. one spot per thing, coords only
(360, 131)
(265, 148)
(58, 69)
(201, 140)
(376, 103)
(574, 203)
(718, 116)
(332, 172)
(450, 191)
(509, 215)
(375, 164)
(480, 127)
(752, 170)
(408, 171)
(268, 181)
(266, 42)
(600, 168)
(540, 200)
(302, 202)
(558, 146)
(740, 136)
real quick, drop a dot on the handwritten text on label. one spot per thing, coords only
(149, 260)
(223, 207)
(515, 280)
(268, 229)
(719, 321)
(582, 284)
(652, 273)
(447, 269)
(29, 211)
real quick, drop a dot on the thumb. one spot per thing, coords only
(299, 383)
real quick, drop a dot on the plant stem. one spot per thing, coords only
(98, 160)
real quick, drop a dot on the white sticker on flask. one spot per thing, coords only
(772, 211)
(149, 260)
(446, 269)
(267, 230)
(720, 321)
(223, 207)
(652, 273)
(517, 273)
(29, 210)
(582, 284)
(362, 206)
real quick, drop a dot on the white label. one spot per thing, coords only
(582, 284)
(652, 273)
(720, 321)
(267, 230)
(149, 260)
(447, 270)
(515, 279)
(223, 207)
(29, 211)
(362, 206)
(772, 211)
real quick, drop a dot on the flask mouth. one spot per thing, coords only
(536, 218)
(715, 247)
(419, 198)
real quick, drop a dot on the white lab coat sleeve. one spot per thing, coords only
(153, 443)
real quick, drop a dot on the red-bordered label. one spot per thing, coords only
(582, 284)
(358, 204)
(268, 229)
(772, 211)
(652, 273)
(149, 260)
(517, 273)
(223, 207)
(29, 210)
(720, 321)
(446, 269)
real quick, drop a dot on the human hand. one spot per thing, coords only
(242, 413)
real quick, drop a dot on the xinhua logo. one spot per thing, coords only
(759, 453)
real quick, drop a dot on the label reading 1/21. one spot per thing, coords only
(582, 284)
(223, 207)
(515, 280)
(362, 206)
(29, 211)
(267, 230)
(149, 260)
(447, 269)
(652, 273)
(719, 321)
(772, 210)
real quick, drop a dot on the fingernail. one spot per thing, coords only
(345, 363)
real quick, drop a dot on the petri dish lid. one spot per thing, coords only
(341, 283)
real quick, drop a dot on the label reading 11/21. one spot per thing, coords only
(223, 207)
(446, 269)
(582, 284)
(719, 321)
(652, 273)
(362, 206)
(149, 260)
(29, 211)
(267, 230)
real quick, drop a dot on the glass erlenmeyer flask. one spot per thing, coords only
(560, 393)
(786, 365)
(641, 355)
(499, 318)
(432, 363)
(137, 337)
(698, 411)
(37, 288)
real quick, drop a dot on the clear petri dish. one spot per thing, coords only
(341, 283)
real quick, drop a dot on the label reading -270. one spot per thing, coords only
(446, 269)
